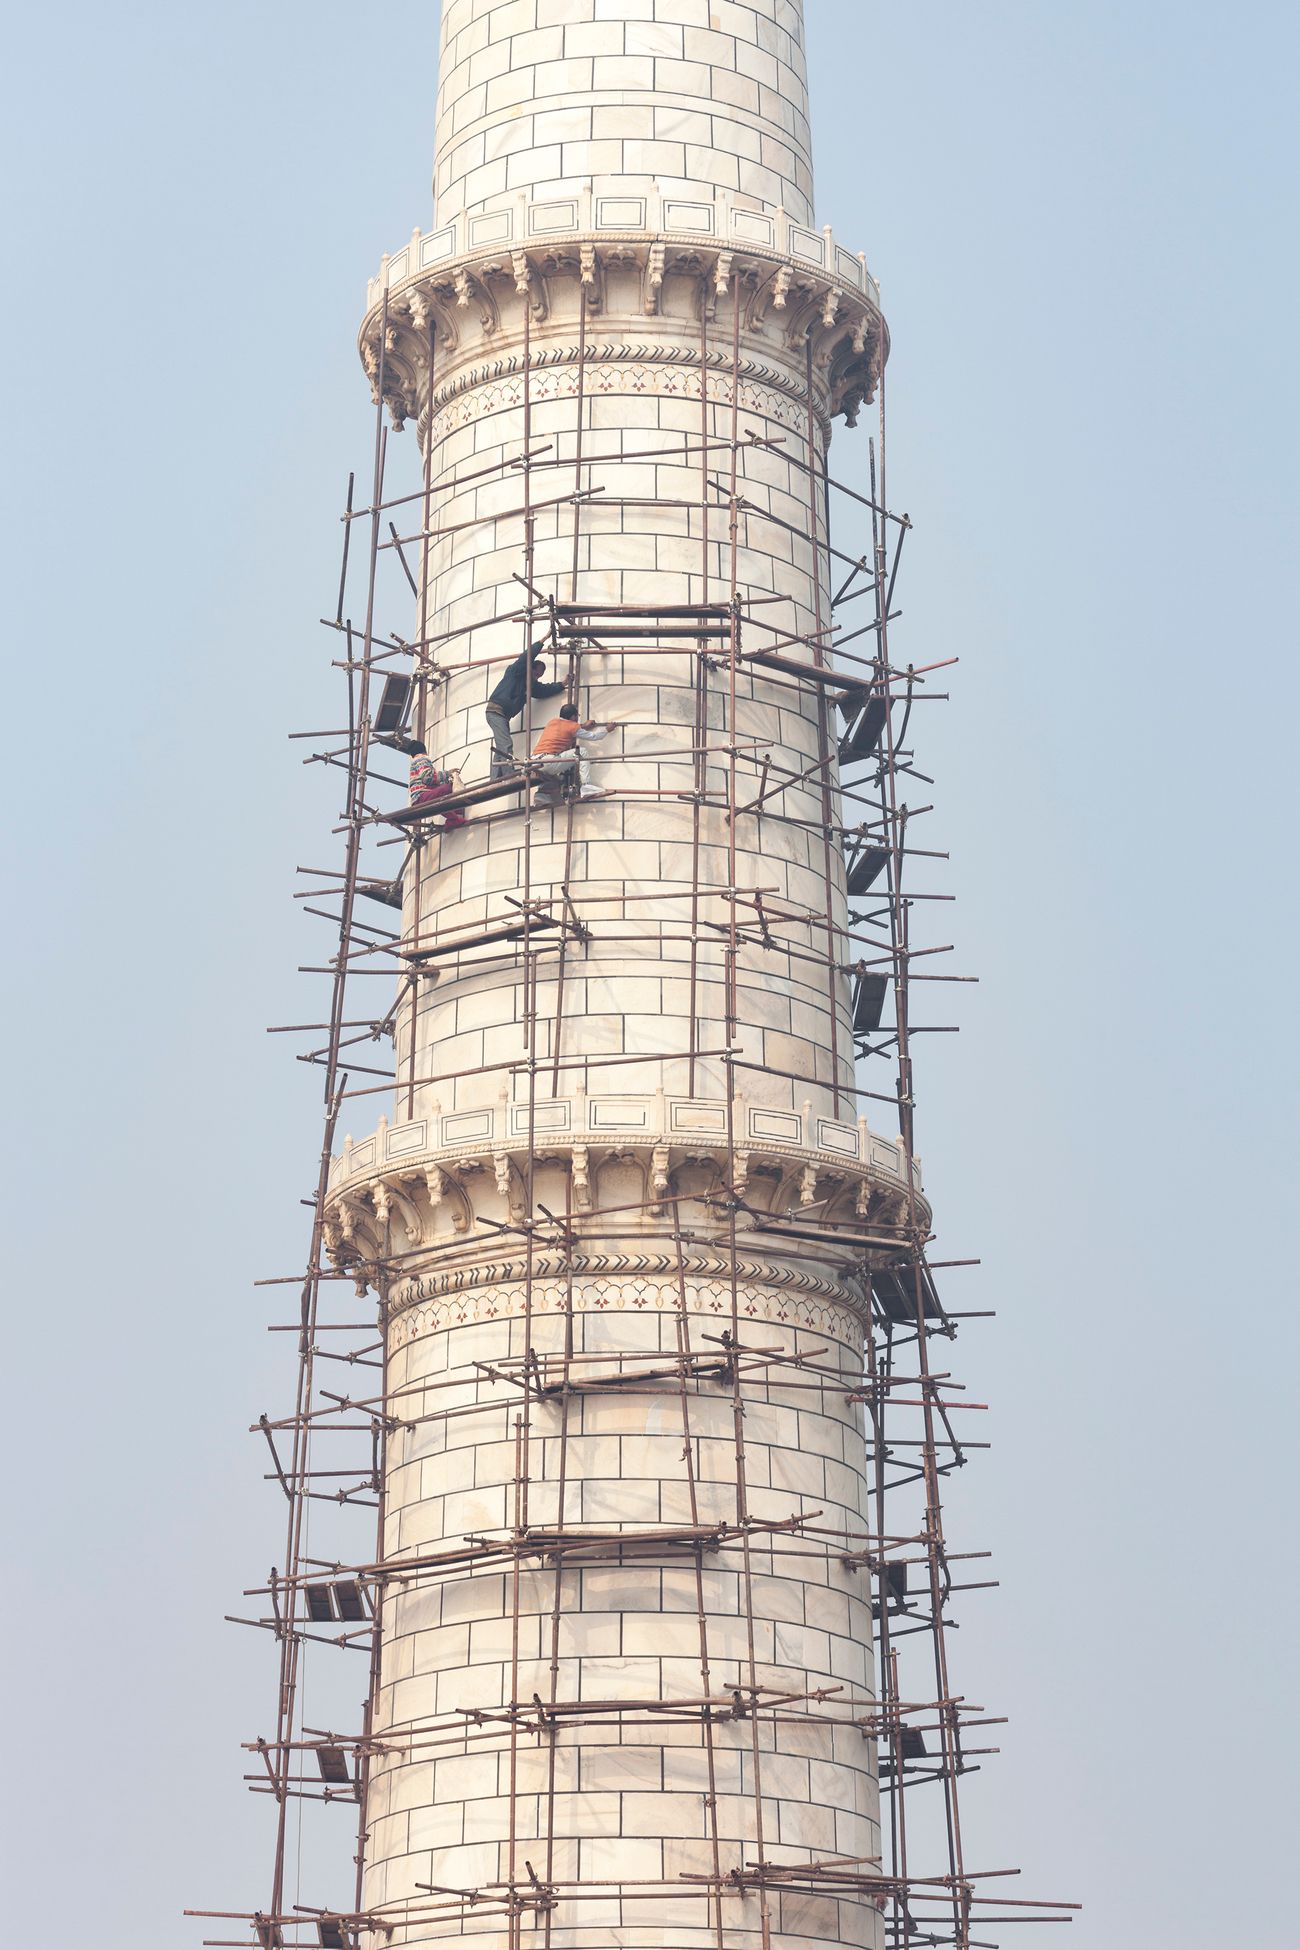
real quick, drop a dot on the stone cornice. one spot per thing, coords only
(711, 215)
(630, 1162)
(646, 296)
(630, 1120)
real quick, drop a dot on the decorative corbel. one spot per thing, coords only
(581, 1178)
(435, 1185)
(854, 370)
(589, 276)
(473, 291)
(781, 287)
(349, 1214)
(652, 280)
(528, 285)
(501, 1166)
(715, 284)
(848, 400)
(659, 1180)
(740, 1178)
(436, 307)
(802, 319)
(765, 292)
(508, 1188)
(808, 1185)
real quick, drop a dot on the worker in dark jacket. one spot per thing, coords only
(507, 703)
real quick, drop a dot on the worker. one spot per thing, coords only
(560, 752)
(429, 783)
(507, 703)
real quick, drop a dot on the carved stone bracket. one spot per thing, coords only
(652, 280)
(589, 276)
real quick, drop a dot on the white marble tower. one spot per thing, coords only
(627, 1673)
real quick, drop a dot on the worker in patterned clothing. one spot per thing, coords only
(560, 753)
(429, 783)
(507, 703)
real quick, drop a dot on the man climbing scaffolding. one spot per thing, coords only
(560, 755)
(507, 703)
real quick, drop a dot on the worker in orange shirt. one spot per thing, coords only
(560, 752)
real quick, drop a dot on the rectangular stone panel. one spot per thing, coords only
(441, 245)
(612, 1114)
(492, 227)
(545, 1117)
(620, 213)
(464, 1127)
(837, 1137)
(697, 1117)
(546, 218)
(688, 216)
(806, 244)
(850, 268)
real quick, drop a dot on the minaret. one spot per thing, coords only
(620, 1204)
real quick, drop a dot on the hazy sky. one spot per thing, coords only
(1084, 219)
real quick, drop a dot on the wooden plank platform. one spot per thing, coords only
(616, 632)
(866, 867)
(862, 737)
(895, 1292)
(473, 795)
(847, 690)
(869, 993)
(485, 938)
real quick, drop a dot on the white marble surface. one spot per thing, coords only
(545, 95)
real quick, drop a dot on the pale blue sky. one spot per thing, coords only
(1084, 219)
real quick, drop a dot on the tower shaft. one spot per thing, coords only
(626, 1485)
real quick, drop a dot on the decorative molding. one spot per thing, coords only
(630, 1159)
(707, 213)
(629, 1283)
(477, 303)
(652, 279)
(441, 1141)
(617, 370)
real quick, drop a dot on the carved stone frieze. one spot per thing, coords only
(624, 1284)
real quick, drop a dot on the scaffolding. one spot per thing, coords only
(327, 1452)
